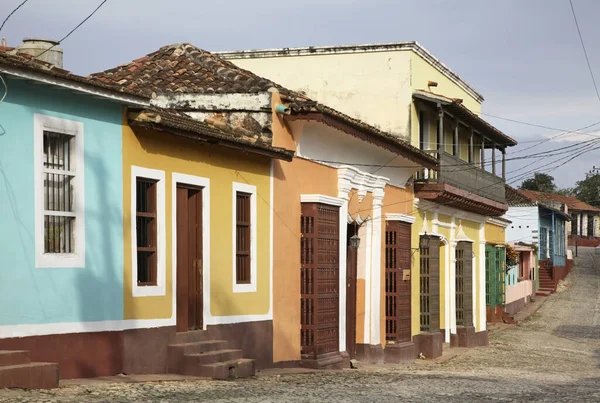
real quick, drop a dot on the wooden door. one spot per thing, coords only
(189, 259)
(351, 274)
(397, 287)
(319, 280)
(464, 284)
(430, 286)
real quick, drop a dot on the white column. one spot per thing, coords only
(451, 284)
(376, 268)
(368, 274)
(342, 269)
(479, 300)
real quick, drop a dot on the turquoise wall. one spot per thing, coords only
(39, 296)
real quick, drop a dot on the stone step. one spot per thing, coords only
(33, 375)
(198, 347)
(543, 293)
(14, 357)
(211, 357)
(240, 368)
(192, 336)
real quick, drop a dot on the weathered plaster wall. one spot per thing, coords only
(292, 179)
(524, 226)
(91, 293)
(156, 150)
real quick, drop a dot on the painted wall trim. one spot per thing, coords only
(317, 198)
(499, 222)
(449, 211)
(204, 183)
(400, 217)
(43, 123)
(250, 189)
(161, 237)
(72, 85)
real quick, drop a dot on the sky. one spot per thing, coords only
(524, 57)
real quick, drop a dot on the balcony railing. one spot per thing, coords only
(463, 175)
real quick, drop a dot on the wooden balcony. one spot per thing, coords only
(462, 185)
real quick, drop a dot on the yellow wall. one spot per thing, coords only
(494, 234)
(156, 150)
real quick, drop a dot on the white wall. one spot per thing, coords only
(323, 143)
(525, 224)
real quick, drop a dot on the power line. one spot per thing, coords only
(73, 30)
(12, 12)
(584, 51)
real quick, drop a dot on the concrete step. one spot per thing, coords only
(14, 357)
(33, 375)
(543, 293)
(240, 368)
(211, 357)
(192, 336)
(198, 347)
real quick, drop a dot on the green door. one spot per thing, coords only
(495, 261)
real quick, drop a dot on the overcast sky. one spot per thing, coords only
(524, 56)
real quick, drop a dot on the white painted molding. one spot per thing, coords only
(43, 123)
(322, 199)
(250, 189)
(500, 223)
(461, 236)
(449, 211)
(161, 235)
(353, 178)
(400, 217)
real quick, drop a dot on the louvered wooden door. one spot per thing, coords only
(429, 288)
(464, 284)
(189, 259)
(397, 289)
(319, 280)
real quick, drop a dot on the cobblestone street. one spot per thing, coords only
(553, 356)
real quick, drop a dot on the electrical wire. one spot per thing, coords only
(12, 12)
(584, 50)
(73, 30)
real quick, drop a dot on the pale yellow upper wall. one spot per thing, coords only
(373, 87)
(222, 166)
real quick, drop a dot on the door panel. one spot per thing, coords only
(189, 259)
(397, 290)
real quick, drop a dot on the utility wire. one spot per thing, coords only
(584, 50)
(12, 12)
(73, 30)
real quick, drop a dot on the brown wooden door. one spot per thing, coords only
(397, 288)
(351, 274)
(464, 284)
(319, 280)
(430, 286)
(189, 259)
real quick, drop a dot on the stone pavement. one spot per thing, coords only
(554, 356)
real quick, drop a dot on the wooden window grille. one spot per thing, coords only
(397, 290)
(495, 260)
(242, 238)
(319, 280)
(464, 284)
(59, 198)
(146, 231)
(430, 286)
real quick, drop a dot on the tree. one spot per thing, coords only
(588, 190)
(540, 182)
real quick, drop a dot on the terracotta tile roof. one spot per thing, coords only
(27, 63)
(180, 124)
(185, 68)
(515, 198)
(571, 202)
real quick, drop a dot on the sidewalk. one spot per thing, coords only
(529, 309)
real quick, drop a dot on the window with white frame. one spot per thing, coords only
(244, 237)
(148, 236)
(59, 198)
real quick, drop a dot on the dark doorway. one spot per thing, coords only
(189, 259)
(351, 274)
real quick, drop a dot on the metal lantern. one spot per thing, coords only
(354, 241)
(424, 241)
